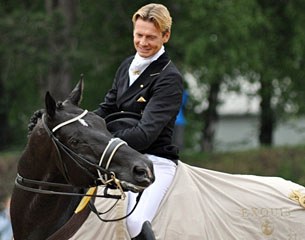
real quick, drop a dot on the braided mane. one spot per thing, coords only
(37, 115)
(34, 119)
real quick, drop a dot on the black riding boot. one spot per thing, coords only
(146, 232)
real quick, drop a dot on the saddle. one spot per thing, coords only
(121, 120)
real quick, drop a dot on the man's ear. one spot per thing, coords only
(166, 36)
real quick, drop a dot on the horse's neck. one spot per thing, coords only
(53, 212)
(38, 156)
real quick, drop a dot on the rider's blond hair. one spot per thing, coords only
(156, 13)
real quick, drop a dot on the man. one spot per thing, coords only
(149, 86)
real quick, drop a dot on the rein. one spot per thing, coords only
(22, 183)
(106, 178)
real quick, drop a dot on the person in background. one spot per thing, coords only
(141, 109)
(180, 123)
(6, 232)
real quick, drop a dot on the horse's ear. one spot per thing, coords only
(75, 96)
(50, 104)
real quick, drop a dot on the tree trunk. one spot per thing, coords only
(210, 118)
(267, 117)
(58, 81)
(4, 111)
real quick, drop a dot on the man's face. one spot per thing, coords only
(147, 38)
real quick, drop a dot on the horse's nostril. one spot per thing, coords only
(140, 172)
(143, 175)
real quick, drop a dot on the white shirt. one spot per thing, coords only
(139, 64)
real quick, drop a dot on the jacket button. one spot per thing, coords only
(141, 86)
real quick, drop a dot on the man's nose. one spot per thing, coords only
(143, 41)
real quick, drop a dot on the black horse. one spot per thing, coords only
(68, 151)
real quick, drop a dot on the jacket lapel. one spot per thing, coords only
(144, 79)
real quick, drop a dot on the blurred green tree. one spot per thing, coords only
(215, 37)
(23, 61)
(46, 45)
(277, 63)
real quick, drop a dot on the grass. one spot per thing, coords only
(8, 165)
(286, 162)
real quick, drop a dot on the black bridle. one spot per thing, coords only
(106, 177)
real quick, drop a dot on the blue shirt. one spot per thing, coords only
(180, 119)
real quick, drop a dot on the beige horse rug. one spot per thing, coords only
(209, 205)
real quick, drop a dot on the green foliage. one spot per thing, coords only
(104, 33)
(215, 40)
(216, 35)
(297, 55)
(23, 58)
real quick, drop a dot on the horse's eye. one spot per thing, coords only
(73, 142)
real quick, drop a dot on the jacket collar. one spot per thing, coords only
(154, 69)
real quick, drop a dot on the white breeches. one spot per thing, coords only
(164, 170)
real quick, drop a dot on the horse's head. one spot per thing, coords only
(87, 154)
